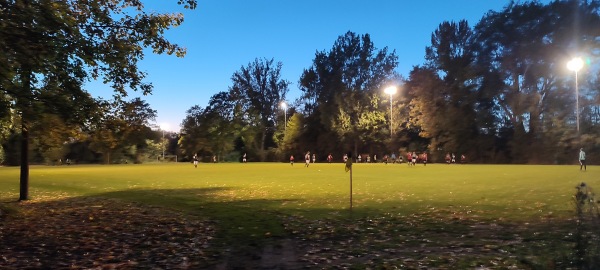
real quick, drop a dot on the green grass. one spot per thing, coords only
(248, 200)
(253, 202)
(321, 187)
(513, 192)
(522, 191)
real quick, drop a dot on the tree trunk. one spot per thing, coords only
(24, 179)
(263, 139)
(355, 148)
(24, 103)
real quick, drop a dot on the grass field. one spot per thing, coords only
(252, 203)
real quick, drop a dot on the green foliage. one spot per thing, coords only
(123, 126)
(288, 140)
(211, 130)
(260, 89)
(443, 101)
(499, 91)
(245, 113)
(64, 43)
(152, 150)
(50, 137)
(496, 92)
(343, 85)
(522, 55)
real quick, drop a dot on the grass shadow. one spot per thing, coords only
(452, 236)
(238, 222)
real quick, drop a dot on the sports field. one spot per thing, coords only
(507, 191)
(402, 213)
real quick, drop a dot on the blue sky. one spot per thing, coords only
(221, 36)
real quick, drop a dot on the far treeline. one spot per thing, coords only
(498, 92)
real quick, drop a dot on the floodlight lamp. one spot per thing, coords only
(575, 64)
(391, 90)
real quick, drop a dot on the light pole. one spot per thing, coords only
(575, 65)
(163, 127)
(391, 91)
(284, 107)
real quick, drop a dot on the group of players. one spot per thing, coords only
(308, 158)
(451, 158)
(412, 158)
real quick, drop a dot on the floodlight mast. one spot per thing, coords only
(391, 91)
(575, 65)
(284, 107)
(163, 127)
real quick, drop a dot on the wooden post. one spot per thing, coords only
(348, 168)
(350, 188)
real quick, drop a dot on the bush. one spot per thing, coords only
(587, 229)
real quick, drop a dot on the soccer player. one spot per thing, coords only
(582, 160)
(195, 160)
(307, 159)
(292, 160)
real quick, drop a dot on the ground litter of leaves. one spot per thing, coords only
(96, 233)
(101, 234)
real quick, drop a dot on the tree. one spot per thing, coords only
(50, 138)
(444, 101)
(152, 150)
(123, 127)
(194, 137)
(260, 88)
(106, 133)
(288, 140)
(6, 127)
(211, 129)
(522, 53)
(137, 116)
(342, 89)
(125, 124)
(54, 46)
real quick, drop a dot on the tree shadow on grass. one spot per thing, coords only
(102, 233)
(238, 221)
(205, 229)
(183, 228)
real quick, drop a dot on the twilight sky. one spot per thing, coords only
(221, 36)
